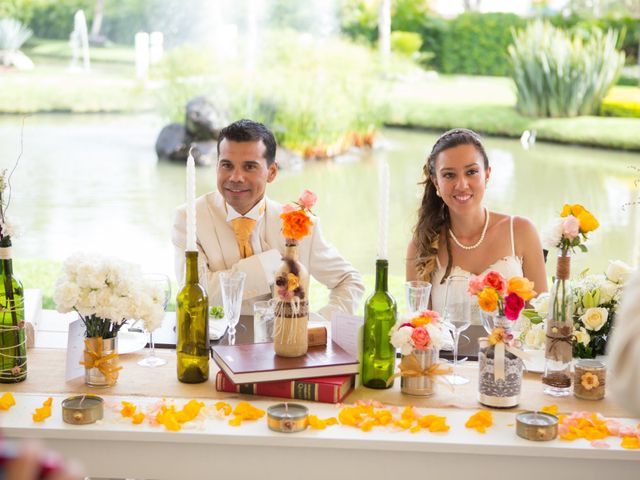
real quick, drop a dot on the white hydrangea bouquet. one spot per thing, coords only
(596, 300)
(106, 292)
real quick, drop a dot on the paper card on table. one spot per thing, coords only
(344, 331)
(75, 350)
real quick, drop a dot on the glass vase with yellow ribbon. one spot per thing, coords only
(419, 339)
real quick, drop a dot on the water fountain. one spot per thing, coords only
(79, 42)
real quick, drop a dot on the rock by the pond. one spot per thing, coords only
(173, 143)
(204, 121)
(205, 152)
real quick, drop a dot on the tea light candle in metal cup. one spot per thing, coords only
(287, 417)
(589, 379)
(537, 426)
(82, 409)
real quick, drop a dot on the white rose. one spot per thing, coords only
(618, 271)
(401, 339)
(541, 304)
(582, 336)
(535, 336)
(608, 291)
(65, 296)
(553, 234)
(594, 318)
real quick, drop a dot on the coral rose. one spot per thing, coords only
(296, 224)
(421, 338)
(476, 284)
(488, 299)
(494, 280)
(513, 305)
(521, 287)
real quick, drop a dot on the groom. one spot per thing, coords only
(239, 227)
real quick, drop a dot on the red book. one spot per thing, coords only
(322, 389)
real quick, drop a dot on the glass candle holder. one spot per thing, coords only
(589, 379)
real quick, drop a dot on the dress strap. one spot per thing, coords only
(513, 243)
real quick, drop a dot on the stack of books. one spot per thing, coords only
(325, 374)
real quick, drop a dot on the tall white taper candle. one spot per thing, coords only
(191, 203)
(383, 211)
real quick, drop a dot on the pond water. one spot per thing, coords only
(93, 183)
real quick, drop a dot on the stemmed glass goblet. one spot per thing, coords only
(232, 287)
(161, 282)
(457, 317)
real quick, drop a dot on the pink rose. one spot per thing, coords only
(513, 305)
(307, 199)
(570, 227)
(288, 208)
(421, 338)
(496, 281)
(476, 285)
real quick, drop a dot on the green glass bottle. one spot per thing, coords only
(380, 314)
(192, 327)
(13, 345)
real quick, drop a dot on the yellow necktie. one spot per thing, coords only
(243, 227)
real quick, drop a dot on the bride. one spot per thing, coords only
(455, 234)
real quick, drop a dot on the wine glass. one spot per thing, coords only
(417, 294)
(162, 283)
(232, 287)
(457, 317)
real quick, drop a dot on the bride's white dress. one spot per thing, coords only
(509, 266)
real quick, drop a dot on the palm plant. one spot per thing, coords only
(562, 75)
(13, 34)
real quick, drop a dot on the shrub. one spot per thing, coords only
(12, 34)
(54, 18)
(405, 43)
(476, 44)
(621, 102)
(562, 75)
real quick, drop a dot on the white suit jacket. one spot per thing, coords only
(624, 349)
(218, 251)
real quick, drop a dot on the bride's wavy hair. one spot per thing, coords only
(433, 214)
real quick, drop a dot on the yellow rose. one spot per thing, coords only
(292, 282)
(588, 222)
(521, 287)
(488, 299)
(594, 318)
(574, 210)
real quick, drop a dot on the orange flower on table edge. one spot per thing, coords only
(488, 299)
(480, 421)
(7, 401)
(296, 224)
(550, 409)
(43, 412)
(245, 411)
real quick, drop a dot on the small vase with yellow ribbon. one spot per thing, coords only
(419, 372)
(101, 361)
(500, 369)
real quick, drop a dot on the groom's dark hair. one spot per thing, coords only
(249, 131)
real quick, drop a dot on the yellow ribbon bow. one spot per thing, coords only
(93, 358)
(410, 367)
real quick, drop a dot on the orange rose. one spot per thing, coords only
(488, 299)
(296, 224)
(521, 287)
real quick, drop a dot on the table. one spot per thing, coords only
(115, 448)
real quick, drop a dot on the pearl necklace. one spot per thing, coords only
(477, 244)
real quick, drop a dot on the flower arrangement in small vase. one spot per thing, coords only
(499, 356)
(105, 293)
(419, 340)
(567, 233)
(292, 281)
